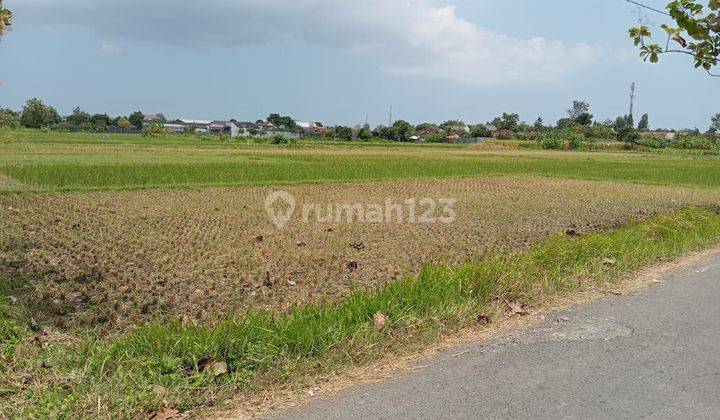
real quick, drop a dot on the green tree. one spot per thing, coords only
(564, 123)
(539, 125)
(480, 131)
(577, 109)
(695, 32)
(124, 124)
(580, 113)
(627, 134)
(623, 122)
(507, 122)
(100, 122)
(78, 119)
(5, 19)
(137, 118)
(364, 134)
(387, 133)
(343, 133)
(282, 121)
(403, 130)
(715, 124)
(644, 124)
(9, 118)
(35, 114)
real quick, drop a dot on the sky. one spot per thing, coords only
(342, 61)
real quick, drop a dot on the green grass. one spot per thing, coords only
(114, 376)
(37, 161)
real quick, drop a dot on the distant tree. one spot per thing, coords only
(426, 127)
(564, 123)
(622, 122)
(452, 127)
(585, 118)
(282, 121)
(627, 134)
(343, 133)
(274, 119)
(387, 133)
(78, 118)
(137, 119)
(435, 138)
(35, 114)
(5, 19)
(577, 109)
(630, 120)
(403, 130)
(156, 129)
(100, 122)
(696, 33)
(364, 134)
(539, 124)
(480, 131)
(9, 118)
(124, 124)
(644, 124)
(715, 124)
(507, 122)
(580, 113)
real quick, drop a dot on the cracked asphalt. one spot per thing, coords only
(655, 354)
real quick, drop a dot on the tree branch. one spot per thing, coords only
(648, 7)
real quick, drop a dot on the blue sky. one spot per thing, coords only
(338, 60)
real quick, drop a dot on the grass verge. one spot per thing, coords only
(48, 374)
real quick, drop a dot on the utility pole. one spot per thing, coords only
(390, 119)
(632, 98)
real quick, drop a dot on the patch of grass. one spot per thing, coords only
(36, 161)
(115, 376)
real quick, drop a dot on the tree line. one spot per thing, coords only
(36, 114)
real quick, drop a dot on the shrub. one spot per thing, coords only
(575, 140)
(550, 141)
(505, 135)
(9, 118)
(156, 129)
(280, 139)
(652, 142)
(627, 134)
(435, 138)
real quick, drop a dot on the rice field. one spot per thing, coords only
(132, 260)
(122, 258)
(62, 162)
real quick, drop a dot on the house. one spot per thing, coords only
(493, 130)
(247, 128)
(224, 127)
(217, 127)
(453, 138)
(148, 118)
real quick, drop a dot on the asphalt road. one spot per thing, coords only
(655, 354)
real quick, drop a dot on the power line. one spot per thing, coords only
(648, 7)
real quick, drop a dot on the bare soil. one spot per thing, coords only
(117, 259)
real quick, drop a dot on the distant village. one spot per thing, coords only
(450, 131)
(579, 125)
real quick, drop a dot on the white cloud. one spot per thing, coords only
(111, 49)
(402, 37)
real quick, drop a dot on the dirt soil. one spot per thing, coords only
(119, 258)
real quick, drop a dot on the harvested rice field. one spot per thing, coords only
(118, 259)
